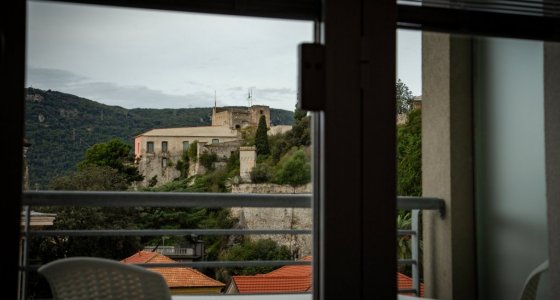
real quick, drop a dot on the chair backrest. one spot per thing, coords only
(85, 278)
(532, 283)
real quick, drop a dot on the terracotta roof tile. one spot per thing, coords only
(285, 279)
(405, 282)
(294, 279)
(272, 284)
(292, 270)
(175, 277)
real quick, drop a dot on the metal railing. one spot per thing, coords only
(203, 200)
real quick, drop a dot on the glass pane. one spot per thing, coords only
(409, 158)
(478, 142)
(152, 101)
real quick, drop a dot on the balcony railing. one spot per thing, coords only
(203, 200)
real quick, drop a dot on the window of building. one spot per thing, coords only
(164, 146)
(215, 141)
(150, 146)
(164, 162)
(185, 145)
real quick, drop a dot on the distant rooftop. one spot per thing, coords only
(175, 276)
(202, 131)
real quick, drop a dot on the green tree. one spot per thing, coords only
(114, 154)
(263, 249)
(261, 173)
(193, 151)
(409, 174)
(207, 160)
(404, 98)
(299, 114)
(409, 155)
(261, 138)
(183, 164)
(300, 135)
(294, 169)
(91, 178)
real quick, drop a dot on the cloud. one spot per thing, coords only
(127, 96)
(134, 96)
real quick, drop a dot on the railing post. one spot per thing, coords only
(24, 254)
(415, 249)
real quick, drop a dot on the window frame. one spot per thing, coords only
(150, 148)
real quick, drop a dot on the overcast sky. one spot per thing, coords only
(153, 59)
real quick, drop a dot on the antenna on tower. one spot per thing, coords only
(214, 98)
(249, 95)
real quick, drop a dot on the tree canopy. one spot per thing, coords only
(263, 249)
(404, 98)
(409, 155)
(261, 137)
(114, 154)
(294, 169)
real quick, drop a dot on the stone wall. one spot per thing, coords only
(279, 129)
(223, 150)
(277, 218)
(247, 161)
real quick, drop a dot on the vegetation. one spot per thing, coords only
(409, 156)
(114, 154)
(261, 173)
(61, 127)
(92, 178)
(293, 169)
(264, 249)
(261, 137)
(404, 98)
(409, 174)
(183, 164)
(207, 160)
(300, 135)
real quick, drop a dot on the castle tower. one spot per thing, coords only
(256, 111)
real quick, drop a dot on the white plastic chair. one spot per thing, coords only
(532, 283)
(88, 278)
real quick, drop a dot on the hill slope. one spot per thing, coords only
(61, 127)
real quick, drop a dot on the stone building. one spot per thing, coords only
(237, 118)
(158, 150)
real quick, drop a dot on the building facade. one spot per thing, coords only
(158, 150)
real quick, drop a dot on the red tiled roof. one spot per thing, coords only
(291, 270)
(405, 282)
(272, 284)
(294, 279)
(285, 279)
(175, 277)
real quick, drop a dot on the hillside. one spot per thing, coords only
(61, 127)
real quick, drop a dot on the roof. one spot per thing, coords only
(201, 131)
(285, 279)
(174, 276)
(272, 284)
(304, 270)
(294, 279)
(405, 282)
